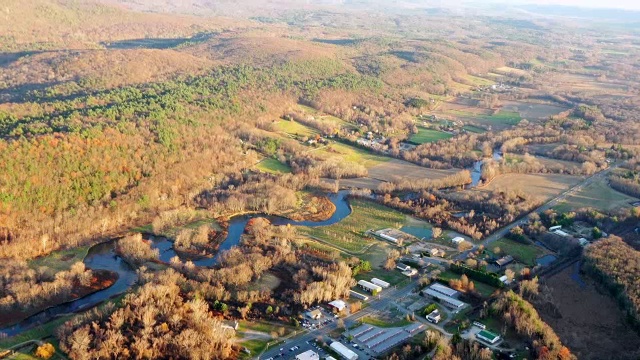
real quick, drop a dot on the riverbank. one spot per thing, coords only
(101, 280)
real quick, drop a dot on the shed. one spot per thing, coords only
(505, 260)
(314, 314)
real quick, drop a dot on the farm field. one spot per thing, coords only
(353, 154)
(510, 70)
(545, 186)
(532, 110)
(273, 166)
(564, 309)
(389, 169)
(526, 254)
(599, 195)
(348, 234)
(395, 167)
(428, 135)
(587, 83)
(318, 115)
(474, 129)
(295, 128)
(499, 120)
(547, 162)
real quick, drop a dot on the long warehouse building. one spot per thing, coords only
(343, 351)
(372, 288)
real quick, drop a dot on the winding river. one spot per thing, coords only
(103, 257)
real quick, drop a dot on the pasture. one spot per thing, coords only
(598, 195)
(428, 135)
(526, 254)
(353, 154)
(273, 166)
(545, 186)
(533, 110)
(295, 128)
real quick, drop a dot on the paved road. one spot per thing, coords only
(544, 207)
(377, 304)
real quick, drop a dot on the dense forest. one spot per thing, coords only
(616, 265)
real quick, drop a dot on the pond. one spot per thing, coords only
(103, 257)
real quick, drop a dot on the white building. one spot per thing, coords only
(561, 233)
(379, 282)
(505, 280)
(554, 228)
(444, 299)
(338, 305)
(358, 295)
(434, 316)
(389, 238)
(457, 240)
(583, 242)
(403, 267)
(343, 351)
(314, 314)
(443, 289)
(372, 288)
(308, 355)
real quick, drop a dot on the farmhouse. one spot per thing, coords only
(372, 288)
(488, 336)
(357, 295)
(380, 283)
(446, 300)
(314, 314)
(505, 260)
(343, 351)
(308, 355)
(434, 316)
(443, 289)
(338, 305)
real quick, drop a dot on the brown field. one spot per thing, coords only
(533, 111)
(510, 70)
(541, 148)
(581, 83)
(589, 322)
(388, 170)
(542, 185)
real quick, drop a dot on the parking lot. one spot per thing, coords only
(326, 318)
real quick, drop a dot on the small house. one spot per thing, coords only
(504, 261)
(314, 314)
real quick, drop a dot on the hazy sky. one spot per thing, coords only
(624, 4)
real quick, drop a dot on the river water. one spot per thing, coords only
(476, 171)
(103, 257)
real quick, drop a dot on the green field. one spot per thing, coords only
(474, 129)
(352, 154)
(526, 254)
(478, 81)
(60, 260)
(348, 234)
(504, 118)
(273, 166)
(428, 135)
(383, 323)
(295, 128)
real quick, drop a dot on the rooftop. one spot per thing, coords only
(488, 335)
